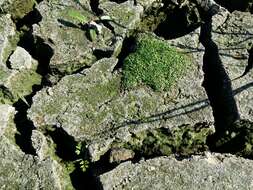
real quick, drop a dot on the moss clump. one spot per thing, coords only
(184, 140)
(154, 63)
(238, 139)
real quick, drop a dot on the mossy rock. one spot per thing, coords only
(184, 140)
(154, 63)
(18, 8)
(19, 85)
(238, 139)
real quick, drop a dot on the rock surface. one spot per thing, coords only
(233, 34)
(93, 104)
(61, 90)
(213, 171)
(23, 171)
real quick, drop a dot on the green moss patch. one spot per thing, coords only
(154, 63)
(184, 140)
(238, 139)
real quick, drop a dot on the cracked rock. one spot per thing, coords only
(232, 32)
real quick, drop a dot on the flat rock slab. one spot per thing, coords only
(91, 106)
(213, 171)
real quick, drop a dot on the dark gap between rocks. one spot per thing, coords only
(65, 144)
(94, 4)
(23, 124)
(240, 5)
(100, 54)
(177, 24)
(128, 47)
(66, 150)
(118, 1)
(8, 63)
(42, 53)
(33, 17)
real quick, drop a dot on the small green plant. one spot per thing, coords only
(154, 63)
(83, 160)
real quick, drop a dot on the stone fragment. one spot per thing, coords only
(120, 154)
(21, 59)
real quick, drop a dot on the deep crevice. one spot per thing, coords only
(42, 52)
(128, 47)
(23, 124)
(65, 144)
(28, 20)
(100, 53)
(118, 1)
(94, 4)
(240, 5)
(66, 150)
(171, 29)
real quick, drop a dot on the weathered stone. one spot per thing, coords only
(125, 16)
(212, 171)
(72, 49)
(39, 143)
(17, 8)
(21, 83)
(8, 39)
(23, 171)
(21, 59)
(232, 33)
(120, 154)
(183, 140)
(90, 107)
(6, 113)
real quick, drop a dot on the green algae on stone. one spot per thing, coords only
(183, 140)
(154, 63)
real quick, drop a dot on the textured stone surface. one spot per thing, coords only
(8, 38)
(213, 171)
(73, 50)
(6, 112)
(17, 8)
(21, 59)
(92, 108)
(232, 33)
(23, 171)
